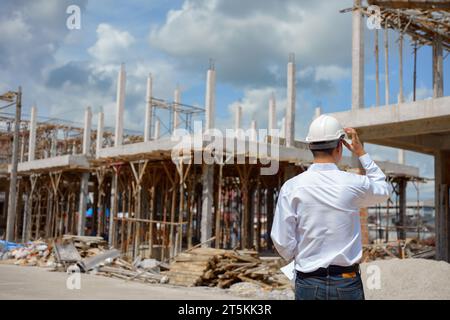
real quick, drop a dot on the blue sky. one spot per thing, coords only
(63, 71)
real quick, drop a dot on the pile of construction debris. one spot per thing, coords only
(83, 254)
(222, 268)
(36, 253)
(401, 249)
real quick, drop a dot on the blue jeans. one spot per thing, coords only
(329, 288)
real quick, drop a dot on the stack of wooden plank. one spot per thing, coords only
(401, 249)
(222, 268)
(87, 246)
(122, 269)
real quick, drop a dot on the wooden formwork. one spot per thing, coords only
(155, 209)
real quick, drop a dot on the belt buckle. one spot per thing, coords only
(347, 275)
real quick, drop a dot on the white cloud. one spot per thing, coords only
(112, 44)
(246, 49)
(332, 73)
(13, 28)
(422, 93)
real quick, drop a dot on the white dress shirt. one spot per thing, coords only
(317, 221)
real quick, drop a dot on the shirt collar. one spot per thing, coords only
(323, 167)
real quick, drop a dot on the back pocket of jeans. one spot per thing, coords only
(350, 293)
(306, 292)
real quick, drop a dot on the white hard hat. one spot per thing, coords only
(325, 128)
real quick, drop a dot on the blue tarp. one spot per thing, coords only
(90, 212)
(7, 245)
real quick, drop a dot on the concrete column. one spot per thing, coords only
(237, 117)
(357, 57)
(401, 97)
(386, 66)
(438, 69)
(210, 98)
(177, 101)
(114, 207)
(272, 121)
(253, 132)
(290, 111)
(358, 87)
(208, 170)
(442, 204)
(120, 105)
(207, 203)
(32, 139)
(377, 69)
(100, 125)
(157, 129)
(148, 110)
(26, 214)
(317, 112)
(283, 128)
(401, 156)
(53, 146)
(401, 233)
(84, 194)
(87, 132)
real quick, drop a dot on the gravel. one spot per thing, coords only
(254, 291)
(410, 279)
(395, 279)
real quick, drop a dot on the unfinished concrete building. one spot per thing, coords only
(147, 194)
(420, 125)
(149, 200)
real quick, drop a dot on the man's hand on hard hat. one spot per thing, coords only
(356, 147)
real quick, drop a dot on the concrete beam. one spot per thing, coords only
(120, 105)
(399, 120)
(32, 139)
(386, 166)
(78, 161)
(421, 143)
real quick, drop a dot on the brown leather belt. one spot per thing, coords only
(331, 270)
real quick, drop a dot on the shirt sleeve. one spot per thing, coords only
(283, 227)
(375, 187)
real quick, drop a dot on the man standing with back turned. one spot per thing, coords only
(317, 221)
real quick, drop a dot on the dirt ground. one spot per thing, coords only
(387, 279)
(18, 282)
